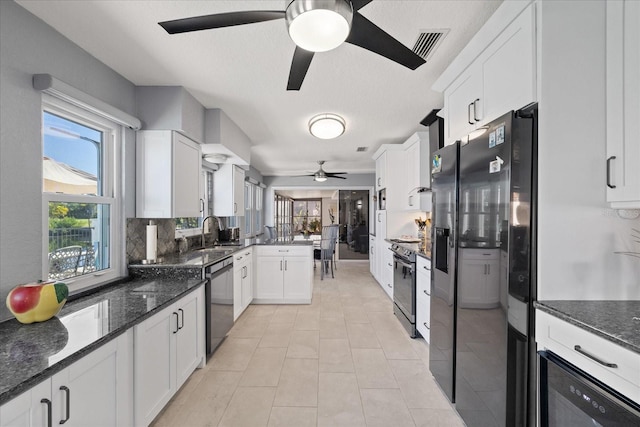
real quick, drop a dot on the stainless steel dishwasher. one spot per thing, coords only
(219, 297)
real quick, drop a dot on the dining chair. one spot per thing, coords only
(327, 249)
(64, 262)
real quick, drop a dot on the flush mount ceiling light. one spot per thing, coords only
(326, 126)
(319, 25)
(215, 158)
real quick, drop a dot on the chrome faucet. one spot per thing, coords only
(204, 221)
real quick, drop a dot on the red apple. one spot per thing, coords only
(25, 297)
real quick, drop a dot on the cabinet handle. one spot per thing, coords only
(425, 325)
(410, 200)
(592, 357)
(177, 319)
(426, 268)
(201, 205)
(285, 265)
(469, 113)
(48, 403)
(426, 293)
(609, 184)
(378, 182)
(68, 405)
(475, 109)
(389, 284)
(283, 250)
(182, 317)
(280, 265)
(235, 208)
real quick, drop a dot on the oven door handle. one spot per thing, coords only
(402, 263)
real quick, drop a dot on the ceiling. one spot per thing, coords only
(243, 70)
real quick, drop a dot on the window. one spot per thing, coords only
(307, 216)
(81, 204)
(282, 208)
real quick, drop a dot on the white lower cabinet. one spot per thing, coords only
(615, 366)
(386, 261)
(423, 297)
(284, 274)
(242, 281)
(94, 391)
(167, 348)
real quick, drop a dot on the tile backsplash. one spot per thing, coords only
(137, 237)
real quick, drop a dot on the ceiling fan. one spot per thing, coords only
(314, 26)
(320, 175)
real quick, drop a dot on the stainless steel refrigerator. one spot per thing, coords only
(482, 350)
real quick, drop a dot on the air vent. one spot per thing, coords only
(428, 41)
(361, 149)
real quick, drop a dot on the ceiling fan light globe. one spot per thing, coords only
(320, 178)
(326, 126)
(319, 25)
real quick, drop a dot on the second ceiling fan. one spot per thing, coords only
(314, 26)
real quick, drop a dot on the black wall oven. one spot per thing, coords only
(404, 288)
(571, 398)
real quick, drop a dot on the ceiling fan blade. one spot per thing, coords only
(219, 20)
(359, 4)
(299, 66)
(368, 35)
(334, 176)
(335, 173)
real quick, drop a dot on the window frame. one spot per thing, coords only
(112, 191)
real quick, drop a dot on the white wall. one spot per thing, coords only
(577, 234)
(28, 46)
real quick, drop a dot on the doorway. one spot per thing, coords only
(353, 237)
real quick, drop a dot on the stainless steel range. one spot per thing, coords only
(404, 286)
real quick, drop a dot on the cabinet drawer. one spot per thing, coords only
(289, 250)
(242, 256)
(485, 254)
(571, 343)
(423, 264)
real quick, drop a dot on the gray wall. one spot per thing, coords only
(361, 181)
(29, 46)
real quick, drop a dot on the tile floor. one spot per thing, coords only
(344, 360)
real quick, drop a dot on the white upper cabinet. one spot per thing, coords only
(623, 103)
(418, 174)
(168, 170)
(228, 188)
(500, 79)
(381, 171)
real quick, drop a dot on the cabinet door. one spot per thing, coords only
(423, 304)
(270, 271)
(297, 278)
(187, 348)
(508, 69)
(372, 255)
(462, 115)
(381, 171)
(623, 103)
(154, 364)
(28, 410)
(247, 285)
(187, 163)
(238, 191)
(412, 164)
(85, 393)
(381, 225)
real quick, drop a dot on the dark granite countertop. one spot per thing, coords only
(616, 321)
(29, 354)
(201, 258)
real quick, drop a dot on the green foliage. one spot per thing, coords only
(58, 210)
